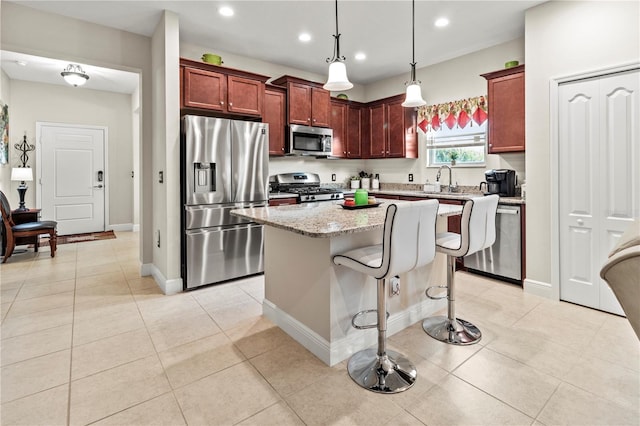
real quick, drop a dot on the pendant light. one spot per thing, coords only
(414, 93)
(337, 70)
(74, 75)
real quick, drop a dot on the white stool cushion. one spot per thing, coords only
(408, 242)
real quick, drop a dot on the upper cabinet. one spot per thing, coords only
(221, 90)
(391, 129)
(274, 114)
(307, 102)
(348, 124)
(506, 110)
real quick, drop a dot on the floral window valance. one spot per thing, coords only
(460, 113)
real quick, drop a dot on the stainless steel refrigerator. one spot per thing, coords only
(224, 166)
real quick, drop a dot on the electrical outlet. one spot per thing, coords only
(333, 177)
(394, 288)
(160, 178)
(158, 238)
(410, 177)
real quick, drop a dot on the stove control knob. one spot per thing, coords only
(312, 197)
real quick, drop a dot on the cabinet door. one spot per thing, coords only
(377, 146)
(320, 107)
(300, 104)
(338, 124)
(274, 115)
(506, 113)
(244, 96)
(354, 131)
(395, 130)
(204, 89)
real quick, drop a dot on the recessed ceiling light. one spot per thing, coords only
(441, 22)
(304, 37)
(360, 56)
(225, 11)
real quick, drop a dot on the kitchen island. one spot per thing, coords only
(312, 299)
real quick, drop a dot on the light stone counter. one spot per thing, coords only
(313, 300)
(327, 218)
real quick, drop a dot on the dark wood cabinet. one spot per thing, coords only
(505, 91)
(283, 201)
(274, 115)
(347, 124)
(392, 130)
(308, 103)
(220, 90)
(338, 123)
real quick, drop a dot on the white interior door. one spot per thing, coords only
(599, 138)
(72, 177)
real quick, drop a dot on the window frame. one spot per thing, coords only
(456, 138)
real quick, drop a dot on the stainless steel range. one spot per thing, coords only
(305, 185)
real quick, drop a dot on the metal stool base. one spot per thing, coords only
(461, 332)
(390, 373)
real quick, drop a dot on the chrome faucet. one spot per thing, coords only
(438, 176)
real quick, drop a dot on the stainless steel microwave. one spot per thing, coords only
(305, 140)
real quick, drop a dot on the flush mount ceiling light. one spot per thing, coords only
(414, 93)
(74, 75)
(337, 70)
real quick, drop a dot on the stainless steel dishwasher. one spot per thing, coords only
(503, 258)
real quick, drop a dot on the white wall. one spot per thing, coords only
(563, 38)
(33, 102)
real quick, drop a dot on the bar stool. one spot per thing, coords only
(478, 231)
(408, 242)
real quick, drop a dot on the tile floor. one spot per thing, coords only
(86, 340)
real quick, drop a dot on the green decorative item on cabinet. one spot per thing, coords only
(211, 58)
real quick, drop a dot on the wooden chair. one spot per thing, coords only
(29, 229)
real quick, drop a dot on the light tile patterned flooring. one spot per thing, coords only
(86, 340)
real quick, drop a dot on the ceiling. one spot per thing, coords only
(268, 30)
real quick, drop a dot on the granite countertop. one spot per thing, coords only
(439, 195)
(327, 219)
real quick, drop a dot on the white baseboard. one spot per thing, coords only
(168, 287)
(136, 227)
(334, 352)
(539, 288)
(122, 227)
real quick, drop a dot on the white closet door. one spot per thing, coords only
(620, 165)
(599, 180)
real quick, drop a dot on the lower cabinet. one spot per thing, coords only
(282, 201)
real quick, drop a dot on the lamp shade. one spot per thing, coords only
(337, 77)
(22, 174)
(414, 96)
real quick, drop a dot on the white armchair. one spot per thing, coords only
(622, 272)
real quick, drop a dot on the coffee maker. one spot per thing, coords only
(501, 182)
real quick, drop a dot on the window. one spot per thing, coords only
(467, 146)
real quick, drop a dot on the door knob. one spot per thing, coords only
(580, 222)
(97, 186)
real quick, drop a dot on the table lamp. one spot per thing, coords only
(22, 174)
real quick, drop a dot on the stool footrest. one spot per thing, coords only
(426, 292)
(366, 326)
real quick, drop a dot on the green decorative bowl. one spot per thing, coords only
(342, 96)
(511, 64)
(211, 58)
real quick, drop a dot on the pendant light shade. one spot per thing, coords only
(74, 75)
(337, 79)
(414, 92)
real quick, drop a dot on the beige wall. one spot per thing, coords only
(70, 39)
(5, 169)
(33, 102)
(563, 38)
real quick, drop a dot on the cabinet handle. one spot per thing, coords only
(230, 103)
(221, 102)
